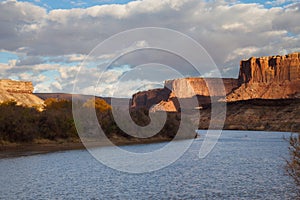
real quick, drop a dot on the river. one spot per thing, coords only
(243, 165)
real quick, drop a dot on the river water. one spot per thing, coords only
(243, 165)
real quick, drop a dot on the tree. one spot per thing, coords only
(293, 165)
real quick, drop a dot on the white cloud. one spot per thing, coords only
(242, 52)
(42, 88)
(123, 89)
(57, 85)
(228, 31)
(3, 68)
(236, 26)
(280, 2)
(67, 72)
(76, 57)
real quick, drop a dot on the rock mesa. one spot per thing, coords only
(271, 77)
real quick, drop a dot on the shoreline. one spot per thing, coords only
(29, 149)
(13, 150)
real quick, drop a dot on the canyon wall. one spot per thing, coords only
(189, 87)
(20, 92)
(270, 69)
(272, 77)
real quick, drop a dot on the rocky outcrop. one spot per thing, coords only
(147, 99)
(16, 86)
(270, 69)
(20, 92)
(273, 77)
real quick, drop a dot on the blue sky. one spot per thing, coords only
(45, 41)
(67, 4)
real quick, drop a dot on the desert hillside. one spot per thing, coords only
(20, 92)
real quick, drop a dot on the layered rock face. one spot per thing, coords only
(189, 87)
(20, 92)
(16, 86)
(273, 77)
(270, 69)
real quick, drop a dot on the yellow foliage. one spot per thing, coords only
(97, 103)
(50, 101)
(53, 103)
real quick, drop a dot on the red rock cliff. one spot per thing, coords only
(270, 69)
(273, 77)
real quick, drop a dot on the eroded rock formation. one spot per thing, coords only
(273, 77)
(270, 69)
(20, 92)
(147, 99)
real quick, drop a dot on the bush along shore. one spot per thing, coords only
(27, 129)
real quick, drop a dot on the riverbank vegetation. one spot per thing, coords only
(20, 124)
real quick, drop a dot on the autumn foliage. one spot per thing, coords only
(22, 124)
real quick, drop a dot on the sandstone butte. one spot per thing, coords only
(21, 92)
(271, 77)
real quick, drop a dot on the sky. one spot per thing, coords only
(57, 44)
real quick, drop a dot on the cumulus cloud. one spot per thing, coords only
(228, 30)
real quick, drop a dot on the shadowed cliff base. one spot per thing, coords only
(259, 115)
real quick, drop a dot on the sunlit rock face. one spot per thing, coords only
(270, 69)
(189, 87)
(16, 86)
(272, 77)
(20, 92)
